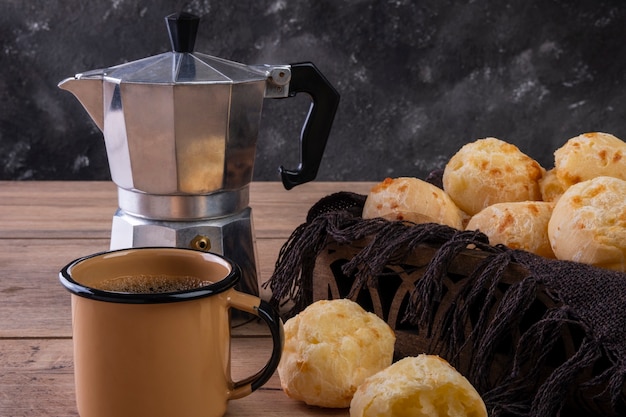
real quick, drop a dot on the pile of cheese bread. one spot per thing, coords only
(337, 355)
(574, 211)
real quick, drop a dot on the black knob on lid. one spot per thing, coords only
(183, 28)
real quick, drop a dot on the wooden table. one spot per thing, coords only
(44, 225)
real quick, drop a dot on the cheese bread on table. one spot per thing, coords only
(518, 225)
(588, 223)
(330, 348)
(424, 385)
(414, 200)
(490, 171)
(588, 156)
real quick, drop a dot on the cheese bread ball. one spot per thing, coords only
(330, 348)
(414, 200)
(588, 223)
(588, 156)
(519, 225)
(421, 386)
(490, 171)
(550, 186)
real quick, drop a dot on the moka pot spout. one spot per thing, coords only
(88, 89)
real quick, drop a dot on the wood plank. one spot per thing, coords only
(277, 212)
(36, 379)
(33, 302)
(46, 210)
(44, 225)
(55, 209)
(275, 403)
(57, 193)
(97, 193)
(47, 222)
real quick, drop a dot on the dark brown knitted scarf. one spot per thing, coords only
(539, 379)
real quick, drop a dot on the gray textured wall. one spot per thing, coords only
(417, 78)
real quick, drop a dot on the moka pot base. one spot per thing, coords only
(220, 222)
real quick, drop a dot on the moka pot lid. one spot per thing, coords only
(181, 65)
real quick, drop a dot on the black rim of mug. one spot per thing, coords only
(81, 290)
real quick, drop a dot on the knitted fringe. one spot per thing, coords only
(524, 387)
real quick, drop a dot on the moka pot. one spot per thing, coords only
(180, 131)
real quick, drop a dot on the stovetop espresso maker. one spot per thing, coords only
(180, 132)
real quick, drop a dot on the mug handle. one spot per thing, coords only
(263, 310)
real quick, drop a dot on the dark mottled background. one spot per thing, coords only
(417, 78)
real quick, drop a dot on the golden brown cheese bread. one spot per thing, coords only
(413, 200)
(330, 348)
(425, 385)
(518, 225)
(588, 156)
(551, 188)
(588, 223)
(490, 171)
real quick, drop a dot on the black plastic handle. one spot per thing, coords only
(306, 78)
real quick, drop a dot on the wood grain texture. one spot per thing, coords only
(36, 379)
(45, 225)
(37, 210)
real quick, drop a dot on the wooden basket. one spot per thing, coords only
(388, 298)
(505, 319)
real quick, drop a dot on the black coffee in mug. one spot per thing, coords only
(151, 284)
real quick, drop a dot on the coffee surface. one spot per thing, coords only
(151, 284)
